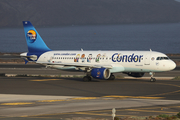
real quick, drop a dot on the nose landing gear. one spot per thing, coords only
(152, 78)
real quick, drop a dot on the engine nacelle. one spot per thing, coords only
(100, 73)
(134, 74)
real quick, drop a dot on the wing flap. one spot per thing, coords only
(79, 65)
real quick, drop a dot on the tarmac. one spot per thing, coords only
(65, 97)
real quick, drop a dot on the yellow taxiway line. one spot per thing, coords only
(17, 103)
(139, 97)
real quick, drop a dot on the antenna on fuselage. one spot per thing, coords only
(81, 49)
(150, 50)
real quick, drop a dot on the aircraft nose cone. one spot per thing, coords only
(172, 65)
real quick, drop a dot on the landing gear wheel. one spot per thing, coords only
(86, 78)
(112, 77)
(153, 80)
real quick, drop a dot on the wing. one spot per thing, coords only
(77, 65)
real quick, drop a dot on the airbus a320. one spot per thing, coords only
(96, 64)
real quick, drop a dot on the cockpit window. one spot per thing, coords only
(162, 58)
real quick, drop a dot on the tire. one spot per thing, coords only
(86, 78)
(89, 78)
(112, 77)
(152, 80)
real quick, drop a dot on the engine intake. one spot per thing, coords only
(100, 73)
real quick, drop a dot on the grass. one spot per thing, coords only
(168, 117)
(159, 117)
(177, 78)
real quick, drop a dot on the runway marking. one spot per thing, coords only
(81, 113)
(80, 98)
(90, 113)
(168, 107)
(45, 80)
(18, 103)
(50, 100)
(114, 96)
(85, 98)
(96, 113)
(139, 97)
(150, 111)
(167, 92)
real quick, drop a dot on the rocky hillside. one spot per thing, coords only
(85, 12)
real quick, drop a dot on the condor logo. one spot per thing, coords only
(31, 35)
(126, 58)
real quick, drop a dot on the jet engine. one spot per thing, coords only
(100, 73)
(134, 74)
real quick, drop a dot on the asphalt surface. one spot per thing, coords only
(71, 98)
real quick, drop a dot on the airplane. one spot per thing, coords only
(96, 64)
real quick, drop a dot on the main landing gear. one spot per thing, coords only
(152, 78)
(87, 78)
(112, 77)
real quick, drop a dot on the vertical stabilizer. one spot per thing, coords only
(34, 41)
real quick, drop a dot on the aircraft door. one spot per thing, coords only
(49, 57)
(147, 59)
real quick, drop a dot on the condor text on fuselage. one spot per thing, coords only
(126, 58)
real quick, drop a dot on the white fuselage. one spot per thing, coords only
(96, 64)
(120, 61)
